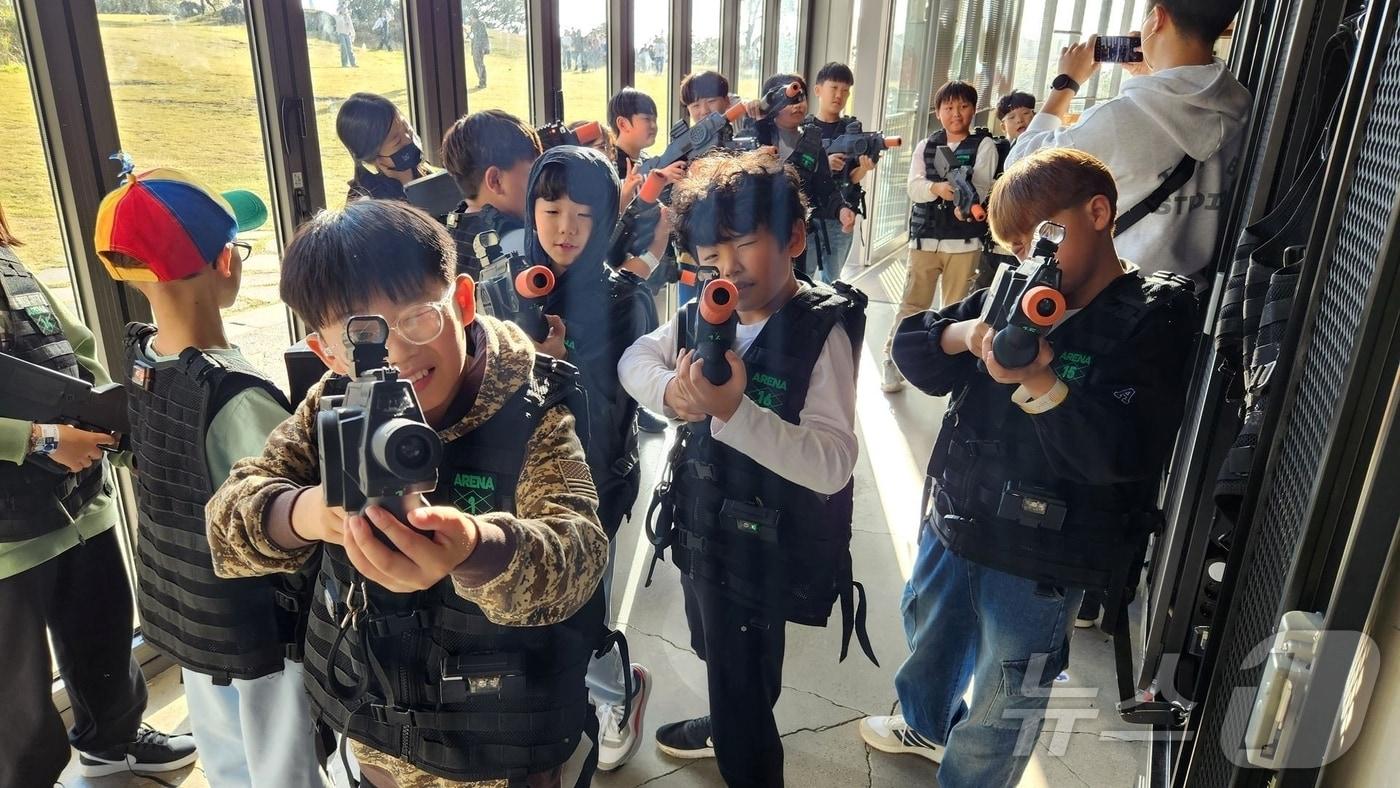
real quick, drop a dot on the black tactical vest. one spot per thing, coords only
(936, 219)
(600, 315)
(226, 628)
(767, 543)
(464, 227)
(38, 496)
(988, 444)
(426, 677)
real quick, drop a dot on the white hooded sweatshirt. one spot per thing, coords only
(1142, 135)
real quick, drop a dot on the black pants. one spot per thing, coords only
(479, 60)
(744, 664)
(82, 599)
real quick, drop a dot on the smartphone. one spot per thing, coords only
(1118, 49)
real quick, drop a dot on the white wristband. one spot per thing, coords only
(1046, 402)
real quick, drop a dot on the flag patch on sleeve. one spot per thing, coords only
(577, 478)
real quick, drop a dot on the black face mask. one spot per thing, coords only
(408, 157)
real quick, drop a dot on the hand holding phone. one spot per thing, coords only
(1118, 49)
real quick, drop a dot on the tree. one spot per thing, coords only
(507, 15)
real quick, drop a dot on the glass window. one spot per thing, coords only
(788, 19)
(750, 77)
(906, 93)
(583, 57)
(27, 192)
(184, 98)
(498, 55)
(373, 62)
(704, 35)
(651, 24)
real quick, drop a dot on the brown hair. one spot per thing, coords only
(1043, 184)
(725, 196)
(7, 238)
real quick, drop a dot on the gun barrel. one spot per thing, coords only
(33, 393)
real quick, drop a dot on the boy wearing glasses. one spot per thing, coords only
(196, 406)
(450, 649)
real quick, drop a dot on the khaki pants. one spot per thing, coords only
(925, 268)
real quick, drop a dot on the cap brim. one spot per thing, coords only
(248, 209)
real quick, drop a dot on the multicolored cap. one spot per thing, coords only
(170, 223)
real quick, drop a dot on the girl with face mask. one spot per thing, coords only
(385, 148)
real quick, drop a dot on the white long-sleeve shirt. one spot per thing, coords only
(819, 452)
(984, 174)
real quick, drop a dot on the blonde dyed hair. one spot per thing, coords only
(1041, 185)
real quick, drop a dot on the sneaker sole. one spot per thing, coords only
(129, 766)
(1085, 623)
(879, 743)
(891, 388)
(687, 755)
(639, 707)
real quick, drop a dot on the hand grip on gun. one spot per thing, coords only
(44, 396)
(716, 321)
(856, 143)
(621, 245)
(960, 177)
(531, 287)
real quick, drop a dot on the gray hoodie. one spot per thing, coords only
(1142, 135)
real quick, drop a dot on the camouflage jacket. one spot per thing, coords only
(559, 548)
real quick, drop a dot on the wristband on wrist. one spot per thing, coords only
(1043, 404)
(43, 439)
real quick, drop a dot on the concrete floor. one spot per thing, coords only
(1084, 743)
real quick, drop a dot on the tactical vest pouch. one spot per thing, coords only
(751, 521)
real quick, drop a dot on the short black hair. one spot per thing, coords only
(956, 90)
(343, 259)
(703, 85)
(490, 138)
(628, 102)
(726, 196)
(1204, 19)
(1017, 99)
(835, 72)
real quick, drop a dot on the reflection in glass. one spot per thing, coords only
(651, 25)
(704, 35)
(27, 193)
(583, 58)
(498, 56)
(906, 94)
(750, 48)
(177, 85)
(788, 18)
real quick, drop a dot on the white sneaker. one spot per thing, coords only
(617, 742)
(893, 734)
(890, 379)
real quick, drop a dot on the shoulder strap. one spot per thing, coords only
(558, 382)
(853, 317)
(228, 378)
(1177, 179)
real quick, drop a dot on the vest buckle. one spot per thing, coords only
(392, 715)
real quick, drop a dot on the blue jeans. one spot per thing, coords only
(347, 52)
(1006, 636)
(254, 732)
(834, 259)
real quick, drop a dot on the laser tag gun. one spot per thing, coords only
(30, 392)
(780, 98)
(716, 319)
(1025, 302)
(947, 166)
(375, 446)
(552, 135)
(512, 290)
(437, 194)
(640, 215)
(691, 142)
(856, 143)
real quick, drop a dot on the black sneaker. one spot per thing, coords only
(152, 752)
(689, 740)
(650, 422)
